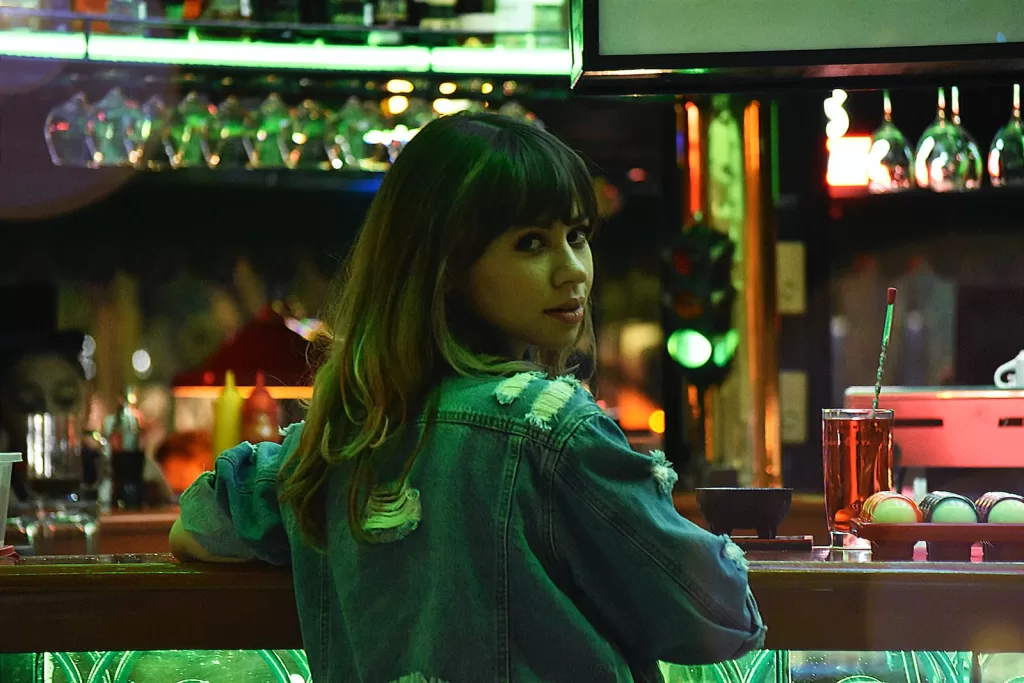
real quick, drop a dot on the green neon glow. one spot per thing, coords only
(499, 60)
(689, 348)
(112, 48)
(725, 348)
(194, 51)
(42, 45)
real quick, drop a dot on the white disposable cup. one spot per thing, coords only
(7, 461)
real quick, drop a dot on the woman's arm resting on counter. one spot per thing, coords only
(185, 547)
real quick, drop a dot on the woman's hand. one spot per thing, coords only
(185, 547)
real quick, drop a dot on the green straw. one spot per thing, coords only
(890, 300)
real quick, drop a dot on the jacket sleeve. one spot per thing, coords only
(234, 510)
(661, 586)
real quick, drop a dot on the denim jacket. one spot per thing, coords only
(533, 544)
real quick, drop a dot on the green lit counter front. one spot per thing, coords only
(119, 618)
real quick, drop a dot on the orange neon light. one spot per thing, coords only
(656, 422)
(848, 161)
(693, 156)
(634, 409)
(287, 393)
(752, 140)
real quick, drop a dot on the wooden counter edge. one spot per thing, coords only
(161, 605)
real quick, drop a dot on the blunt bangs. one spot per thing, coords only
(528, 178)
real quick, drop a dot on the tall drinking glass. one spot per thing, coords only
(857, 451)
(53, 453)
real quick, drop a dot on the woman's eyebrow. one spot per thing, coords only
(577, 222)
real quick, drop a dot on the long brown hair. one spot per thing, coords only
(396, 326)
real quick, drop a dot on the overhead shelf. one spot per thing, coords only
(43, 45)
(197, 52)
(317, 55)
(501, 61)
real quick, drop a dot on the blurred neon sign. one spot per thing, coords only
(848, 155)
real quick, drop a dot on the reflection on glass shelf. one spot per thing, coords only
(281, 46)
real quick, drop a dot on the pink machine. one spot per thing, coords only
(938, 427)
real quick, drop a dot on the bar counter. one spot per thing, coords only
(145, 531)
(810, 601)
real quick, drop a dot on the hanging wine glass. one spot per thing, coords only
(345, 132)
(890, 161)
(310, 138)
(269, 147)
(971, 160)
(111, 124)
(932, 154)
(149, 138)
(229, 136)
(374, 140)
(66, 130)
(186, 137)
(1006, 154)
(418, 114)
(945, 160)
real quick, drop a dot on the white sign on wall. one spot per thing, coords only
(651, 27)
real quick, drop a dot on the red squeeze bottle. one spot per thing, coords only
(260, 415)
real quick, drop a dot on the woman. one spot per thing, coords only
(456, 507)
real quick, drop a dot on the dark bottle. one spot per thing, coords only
(124, 439)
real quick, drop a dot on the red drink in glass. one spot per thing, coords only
(857, 451)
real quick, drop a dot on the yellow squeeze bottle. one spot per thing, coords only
(227, 416)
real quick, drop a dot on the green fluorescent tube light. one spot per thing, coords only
(112, 48)
(498, 60)
(42, 45)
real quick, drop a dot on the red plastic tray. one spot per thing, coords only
(947, 533)
(946, 542)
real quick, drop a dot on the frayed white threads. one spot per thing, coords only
(663, 472)
(390, 515)
(573, 380)
(546, 406)
(570, 379)
(509, 390)
(287, 431)
(735, 553)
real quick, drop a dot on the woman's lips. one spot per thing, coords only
(569, 317)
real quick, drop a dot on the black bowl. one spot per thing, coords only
(736, 508)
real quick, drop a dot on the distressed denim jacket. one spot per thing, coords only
(531, 544)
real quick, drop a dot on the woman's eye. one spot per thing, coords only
(577, 238)
(529, 243)
(580, 236)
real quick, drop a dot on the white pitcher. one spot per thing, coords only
(1010, 375)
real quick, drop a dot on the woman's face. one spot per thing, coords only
(524, 275)
(44, 383)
